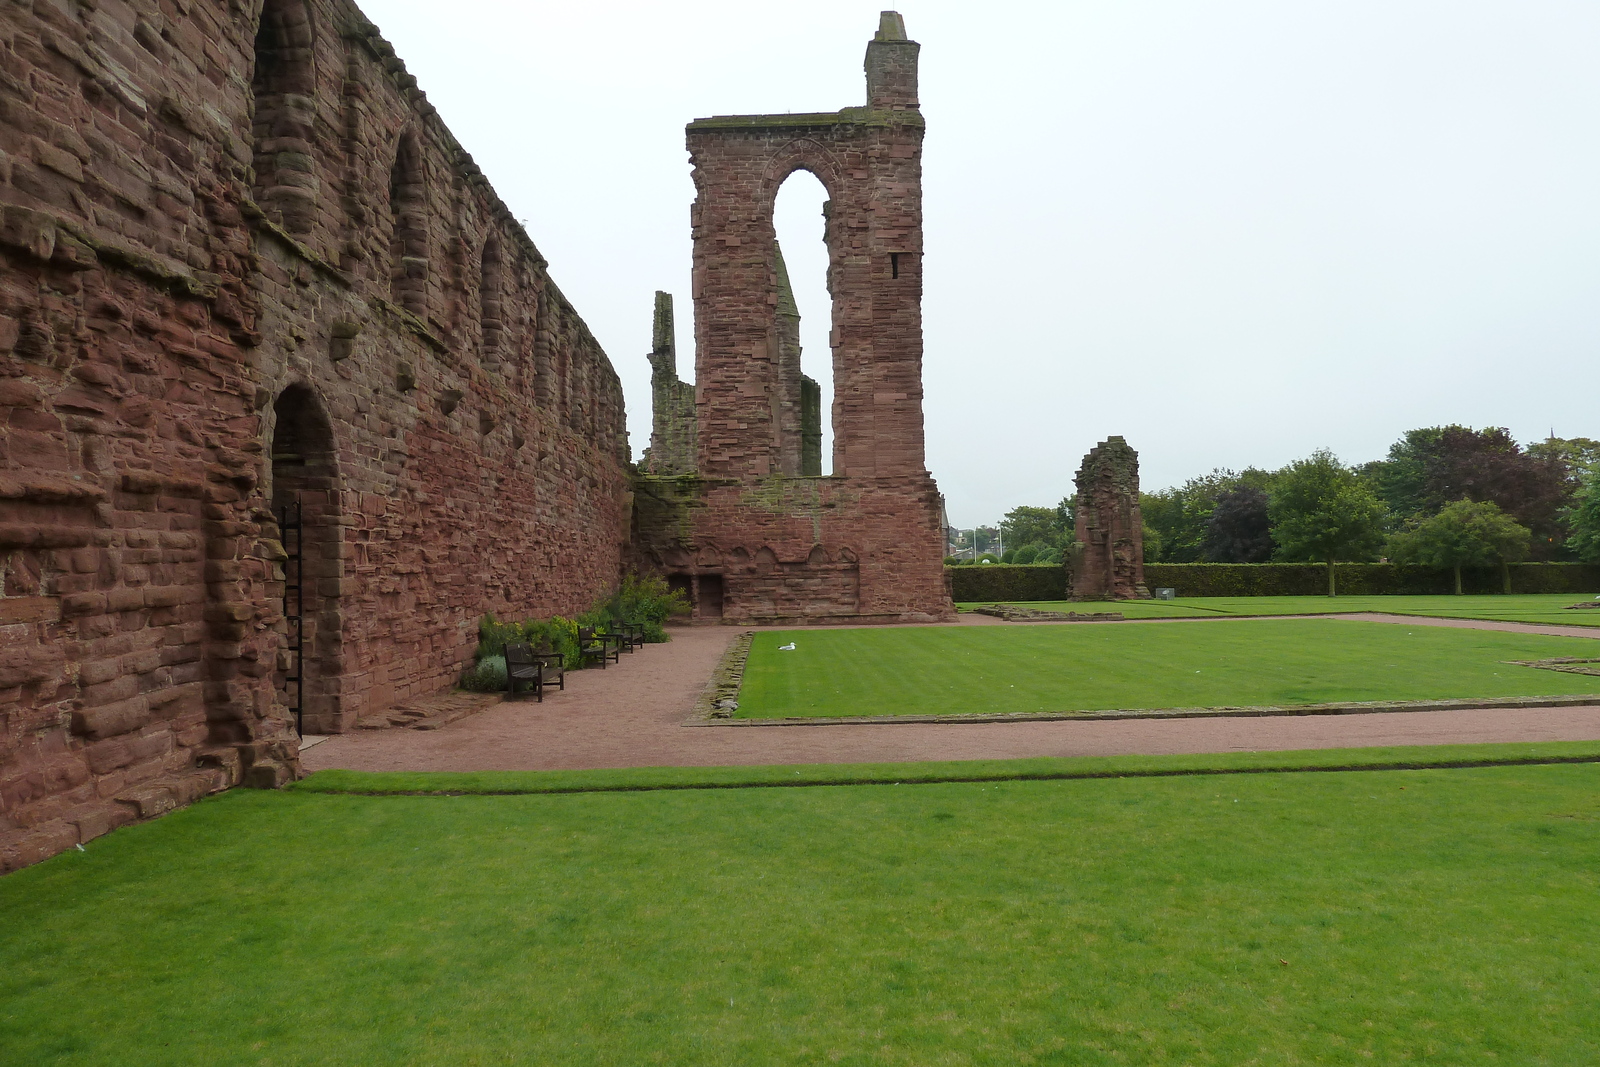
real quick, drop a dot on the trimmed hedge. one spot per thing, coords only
(1364, 579)
(995, 583)
(1004, 582)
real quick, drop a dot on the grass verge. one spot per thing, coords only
(1421, 915)
(1108, 667)
(644, 779)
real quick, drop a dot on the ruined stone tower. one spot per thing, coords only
(757, 533)
(672, 429)
(1109, 525)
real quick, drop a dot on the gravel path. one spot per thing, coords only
(629, 716)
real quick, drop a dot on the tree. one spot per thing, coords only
(1179, 516)
(1029, 526)
(1320, 510)
(1584, 518)
(1430, 468)
(1239, 530)
(1467, 533)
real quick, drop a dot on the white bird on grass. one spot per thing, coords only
(786, 648)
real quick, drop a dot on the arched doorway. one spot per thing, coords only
(305, 498)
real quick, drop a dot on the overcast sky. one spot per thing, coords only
(1232, 231)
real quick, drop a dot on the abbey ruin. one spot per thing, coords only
(246, 267)
(289, 400)
(752, 530)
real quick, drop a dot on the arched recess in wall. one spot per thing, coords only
(801, 271)
(408, 204)
(305, 484)
(283, 86)
(489, 300)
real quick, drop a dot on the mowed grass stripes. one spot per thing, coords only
(1429, 916)
(1117, 666)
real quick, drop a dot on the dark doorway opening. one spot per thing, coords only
(305, 498)
(710, 605)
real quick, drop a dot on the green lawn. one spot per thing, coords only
(1531, 607)
(1099, 667)
(1441, 916)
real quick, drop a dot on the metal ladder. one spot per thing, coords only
(289, 523)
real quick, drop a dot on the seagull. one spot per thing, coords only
(786, 648)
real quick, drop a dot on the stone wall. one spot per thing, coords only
(752, 533)
(242, 263)
(1109, 525)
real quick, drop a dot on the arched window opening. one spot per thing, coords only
(409, 246)
(489, 283)
(302, 446)
(283, 85)
(305, 489)
(804, 361)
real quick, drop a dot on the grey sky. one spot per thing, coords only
(1232, 232)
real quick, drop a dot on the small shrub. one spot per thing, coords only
(493, 635)
(554, 635)
(646, 600)
(488, 675)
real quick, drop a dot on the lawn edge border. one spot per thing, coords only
(726, 679)
(995, 776)
(1378, 707)
(1397, 614)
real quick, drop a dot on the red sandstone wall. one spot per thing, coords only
(163, 279)
(868, 542)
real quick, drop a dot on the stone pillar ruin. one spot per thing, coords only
(1109, 526)
(672, 430)
(760, 525)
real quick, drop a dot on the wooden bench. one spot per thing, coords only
(523, 667)
(634, 632)
(554, 670)
(596, 646)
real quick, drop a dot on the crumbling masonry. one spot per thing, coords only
(753, 531)
(243, 265)
(1108, 525)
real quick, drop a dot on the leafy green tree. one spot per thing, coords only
(1179, 515)
(1027, 525)
(1320, 510)
(1430, 468)
(1467, 533)
(1027, 554)
(1584, 518)
(1066, 515)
